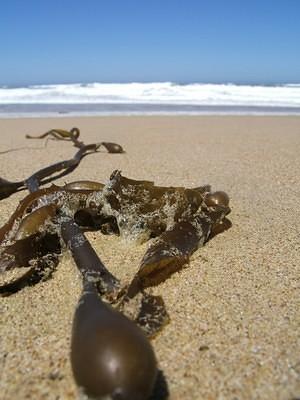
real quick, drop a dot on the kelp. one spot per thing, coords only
(110, 355)
(112, 320)
(62, 168)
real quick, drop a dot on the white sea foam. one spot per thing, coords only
(155, 93)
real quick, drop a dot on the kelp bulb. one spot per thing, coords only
(217, 199)
(111, 357)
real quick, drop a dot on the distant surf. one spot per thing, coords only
(149, 98)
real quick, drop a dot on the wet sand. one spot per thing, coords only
(235, 320)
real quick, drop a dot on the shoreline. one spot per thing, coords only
(53, 110)
(234, 329)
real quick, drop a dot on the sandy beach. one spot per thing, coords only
(235, 322)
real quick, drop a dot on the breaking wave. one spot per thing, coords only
(165, 93)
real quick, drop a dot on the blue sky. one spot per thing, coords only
(64, 41)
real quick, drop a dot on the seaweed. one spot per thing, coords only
(175, 220)
(43, 176)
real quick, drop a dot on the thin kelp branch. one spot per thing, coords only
(57, 134)
(111, 147)
(68, 166)
(86, 259)
(35, 180)
(8, 188)
(103, 337)
(73, 135)
(62, 168)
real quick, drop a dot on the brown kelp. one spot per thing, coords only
(45, 175)
(110, 352)
(110, 355)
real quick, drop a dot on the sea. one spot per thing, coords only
(157, 98)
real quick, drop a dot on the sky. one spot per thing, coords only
(64, 41)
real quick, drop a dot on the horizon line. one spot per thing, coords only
(180, 83)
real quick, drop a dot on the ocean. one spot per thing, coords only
(158, 98)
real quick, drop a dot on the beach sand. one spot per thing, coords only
(235, 309)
